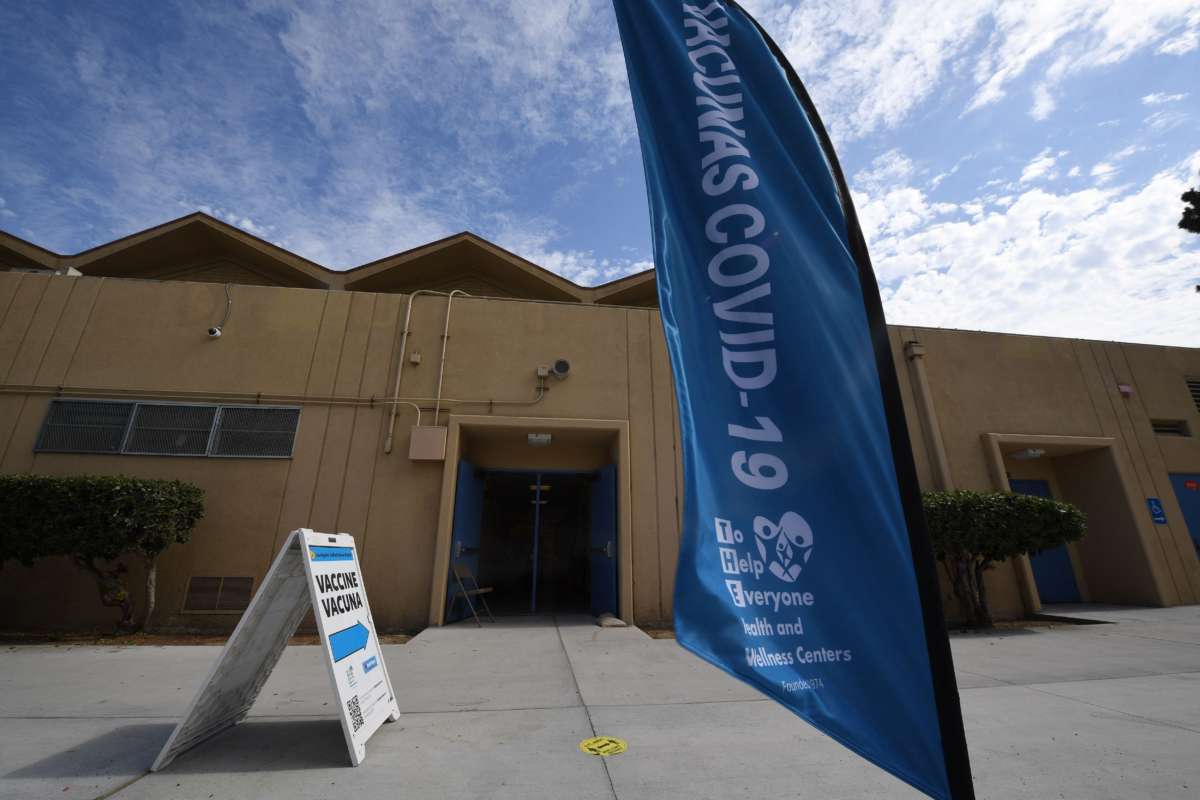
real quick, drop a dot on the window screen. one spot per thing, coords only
(171, 430)
(84, 426)
(256, 432)
(218, 594)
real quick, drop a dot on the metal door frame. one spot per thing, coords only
(618, 429)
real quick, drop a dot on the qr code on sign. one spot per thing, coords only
(356, 720)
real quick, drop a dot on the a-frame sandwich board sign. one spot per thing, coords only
(313, 570)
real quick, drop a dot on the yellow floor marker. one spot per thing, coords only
(603, 746)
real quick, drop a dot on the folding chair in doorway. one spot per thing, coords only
(469, 588)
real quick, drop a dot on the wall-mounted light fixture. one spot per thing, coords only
(539, 439)
(1028, 454)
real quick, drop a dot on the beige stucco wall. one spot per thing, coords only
(303, 346)
(998, 383)
(149, 338)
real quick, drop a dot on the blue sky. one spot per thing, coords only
(1017, 164)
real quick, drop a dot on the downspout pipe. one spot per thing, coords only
(914, 353)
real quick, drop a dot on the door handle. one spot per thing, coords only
(461, 549)
(608, 551)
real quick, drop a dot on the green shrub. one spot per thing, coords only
(974, 531)
(94, 519)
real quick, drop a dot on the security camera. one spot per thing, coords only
(214, 332)
(561, 368)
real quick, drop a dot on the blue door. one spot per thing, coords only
(602, 542)
(464, 544)
(1052, 571)
(1187, 491)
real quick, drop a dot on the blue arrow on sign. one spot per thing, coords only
(348, 640)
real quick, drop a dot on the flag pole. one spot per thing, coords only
(937, 642)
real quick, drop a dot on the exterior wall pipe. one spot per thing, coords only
(914, 352)
(258, 398)
(442, 363)
(387, 443)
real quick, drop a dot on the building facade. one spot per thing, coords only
(457, 405)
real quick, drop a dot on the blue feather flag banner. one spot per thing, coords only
(804, 567)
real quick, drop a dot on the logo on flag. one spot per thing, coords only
(793, 540)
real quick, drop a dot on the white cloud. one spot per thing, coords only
(1185, 42)
(1079, 34)
(885, 170)
(1103, 171)
(1074, 172)
(1096, 263)
(1158, 98)
(1126, 152)
(1040, 167)
(233, 218)
(511, 64)
(870, 63)
(1165, 120)
(534, 242)
(1043, 102)
(886, 204)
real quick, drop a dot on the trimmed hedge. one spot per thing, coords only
(97, 518)
(974, 531)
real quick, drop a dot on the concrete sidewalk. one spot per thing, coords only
(1089, 712)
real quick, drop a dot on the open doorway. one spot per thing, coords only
(540, 541)
(1053, 569)
(1113, 562)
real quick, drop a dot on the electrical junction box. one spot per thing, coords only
(427, 443)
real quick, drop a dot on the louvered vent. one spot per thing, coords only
(168, 429)
(171, 430)
(1170, 427)
(84, 426)
(218, 594)
(253, 432)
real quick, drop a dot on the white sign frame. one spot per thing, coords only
(294, 584)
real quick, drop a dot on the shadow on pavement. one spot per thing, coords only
(121, 751)
(252, 746)
(992, 633)
(276, 745)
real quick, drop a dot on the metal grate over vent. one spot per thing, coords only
(1193, 385)
(171, 430)
(218, 594)
(1170, 427)
(256, 432)
(168, 429)
(84, 426)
